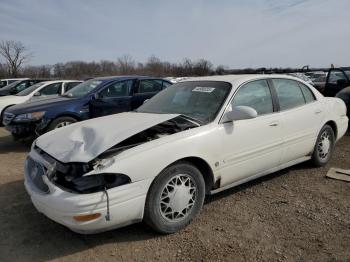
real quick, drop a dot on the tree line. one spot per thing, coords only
(15, 58)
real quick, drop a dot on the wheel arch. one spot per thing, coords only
(68, 114)
(203, 167)
(334, 127)
(2, 113)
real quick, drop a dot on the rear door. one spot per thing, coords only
(336, 81)
(145, 89)
(115, 98)
(301, 116)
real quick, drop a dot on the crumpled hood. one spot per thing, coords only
(84, 141)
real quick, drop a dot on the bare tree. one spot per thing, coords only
(126, 64)
(15, 55)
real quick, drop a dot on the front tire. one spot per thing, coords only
(324, 146)
(61, 122)
(175, 197)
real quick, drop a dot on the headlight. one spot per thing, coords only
(98, 182)
(29, 117)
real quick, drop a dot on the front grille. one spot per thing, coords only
(35, 172)
(8, 117)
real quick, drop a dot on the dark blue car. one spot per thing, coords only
(92, 98)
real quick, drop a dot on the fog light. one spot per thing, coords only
(85, 218)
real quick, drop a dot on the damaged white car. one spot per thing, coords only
(197, 137)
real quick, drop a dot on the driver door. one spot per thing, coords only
(336, 81)
(115, 98)
(251, 146)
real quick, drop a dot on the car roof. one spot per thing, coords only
(58, 81)
(17, 79)
(238, 79)
(124, 77)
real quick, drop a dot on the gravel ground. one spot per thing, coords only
(293, 215)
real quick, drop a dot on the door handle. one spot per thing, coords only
(274, 123)
(318, 111)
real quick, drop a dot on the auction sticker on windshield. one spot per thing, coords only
(203, 89)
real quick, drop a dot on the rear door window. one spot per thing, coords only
(289, 93)
(335, 75)
(118, 89)
(149, 86)
(52, 89)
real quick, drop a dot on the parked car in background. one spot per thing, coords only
(303, 77)
(62, 88)
(320, 82)
(337, 79)
(92, 98)
(5, 82)
(198, 137)
(38, 90)
(18, 86)
(344, 94)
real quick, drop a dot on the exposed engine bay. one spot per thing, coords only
(70, 176)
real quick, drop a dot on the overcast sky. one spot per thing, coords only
(236, 33)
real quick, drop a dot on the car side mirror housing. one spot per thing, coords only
(37, 94)
(96, 96)
(239, 113)
(341, 81)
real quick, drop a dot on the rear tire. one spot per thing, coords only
(61, 122)
(324, 146)
(175, 197)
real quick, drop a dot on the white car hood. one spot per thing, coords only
(12, 100)
(84, 141)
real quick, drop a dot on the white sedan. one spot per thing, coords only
(41, 89)
(197, 137)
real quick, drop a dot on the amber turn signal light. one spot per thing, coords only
(89, 217)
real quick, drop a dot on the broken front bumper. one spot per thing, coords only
(126, 204)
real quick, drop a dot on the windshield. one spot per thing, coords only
(83, 88)
(10, 86)
(3, 83)
(200, 100)
(347, 73)
(30, 89)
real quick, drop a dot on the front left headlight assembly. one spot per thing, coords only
(28, 117)
(99, 182)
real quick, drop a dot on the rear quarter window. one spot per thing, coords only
(308, 95)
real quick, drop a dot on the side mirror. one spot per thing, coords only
(96, 96)
(37, 94)
(239, 113)
(341, 81)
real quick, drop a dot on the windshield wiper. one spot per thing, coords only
(197, 121)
